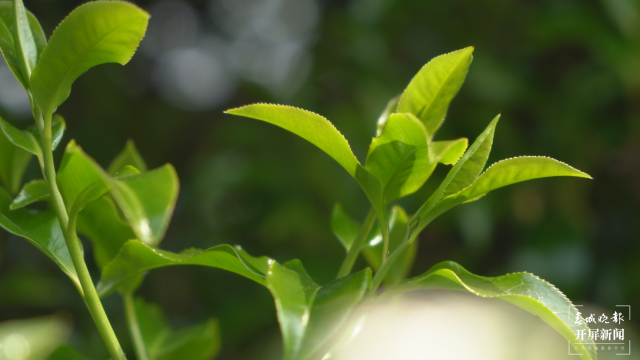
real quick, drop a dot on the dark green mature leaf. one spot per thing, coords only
(310, 314)
(430, 92)
(13, 163)
(94, 33)
(147, 200)
(343, 226)
(199, 342)
(7, 43)
(320, 132)
(33, 191)
(136, 258)
(67, 352)
(34, 338)
(128, 156)
(524, 290)
(42, 229)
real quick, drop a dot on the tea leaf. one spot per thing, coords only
(136, 258)
(343, 226)
(22, 139)
(23, 40)
(391, 107)
(523, 290)
(310, 314)
(515, 170)
(33, 191)
(7, 43)
(13, 163)
(40, 228)
(197, 342)
(128, 156)
(94, 33)
(448, 152)
(430, 92)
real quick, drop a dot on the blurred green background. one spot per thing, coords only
(565, 74)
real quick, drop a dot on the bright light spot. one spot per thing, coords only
(375, 241)
(144, 227)
(16, 347)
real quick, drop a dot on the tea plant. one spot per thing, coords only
(126, 209)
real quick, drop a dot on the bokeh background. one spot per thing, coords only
(564, 74)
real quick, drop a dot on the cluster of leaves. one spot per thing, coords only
(126, 209)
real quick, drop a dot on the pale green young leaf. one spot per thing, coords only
(389, 152)
(23, 40)
(389, 109)
(448, 152)
(524, 290)
(310, 314)
(197, 342)
(136, 258)
(33, 191)
(343, 226)
(128, 156)
(40, 228)
(13, 163)
(430, 92)
(515, 170)
(320, 132)
(94, 33)
(7, 39)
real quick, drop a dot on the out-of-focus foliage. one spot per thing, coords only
(564, 74)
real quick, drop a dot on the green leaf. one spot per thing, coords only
(33, 191)
(7, 43)
(13, 163)
(372, 251)
(66, 352)
(136, 258)
(321, 133)
(147, 200)
(34, 338)
(28, 139)
(40, 228)
(392, 155)
(448, 152)
(524, 290)
(128, 156)
(391, 107)
(23, 40)
(343, 226)
(430, 92)
(310, 314)
(515, 170)
(198, 342)
(94, 33)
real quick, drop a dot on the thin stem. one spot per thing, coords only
(134, 327)
(68, 226)
(354, 250)
(409, 238)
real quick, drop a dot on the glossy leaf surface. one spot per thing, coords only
(197, 342)
(430, 92)
(310, 314)
(42, 229)
(136, 258)
(515, 170)
(34, 338)
(7, 43)
(29, 139)
(128, 156)
(524, 290)
(33, 191)
(94, 33)
(23, 40)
